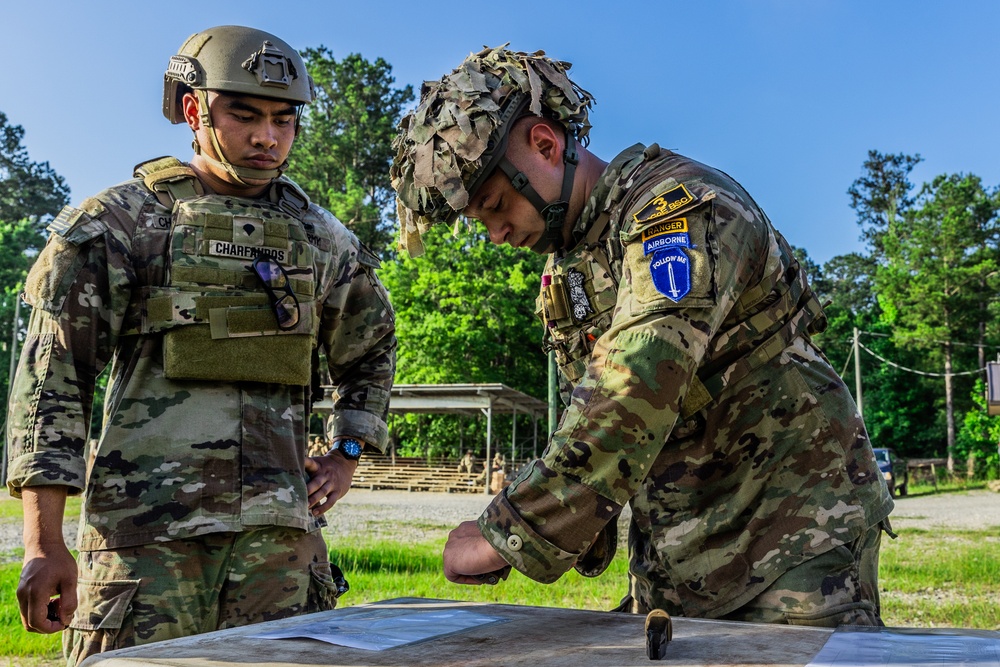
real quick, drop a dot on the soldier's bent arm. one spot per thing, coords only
(358, 334)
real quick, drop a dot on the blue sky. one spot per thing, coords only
(786, 96)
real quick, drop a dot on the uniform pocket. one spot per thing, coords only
(103, 619)
(104, 604)
(327, 583)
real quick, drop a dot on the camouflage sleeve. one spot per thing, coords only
(629, 399)
(359, 334)
(79, 287)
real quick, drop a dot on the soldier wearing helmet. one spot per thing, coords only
(681, 324)
(210, 288)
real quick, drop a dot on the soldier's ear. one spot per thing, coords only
(545, 141)
(189, 107)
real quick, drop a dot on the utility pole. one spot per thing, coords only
(857, 373)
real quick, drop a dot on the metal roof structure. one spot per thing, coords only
(466, 399)
(462, 399)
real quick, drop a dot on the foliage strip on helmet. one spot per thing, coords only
(457, 136)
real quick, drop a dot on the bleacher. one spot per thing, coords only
(414, 474)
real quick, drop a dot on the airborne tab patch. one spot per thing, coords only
(663, 205)
(667, 234)
(670, 270)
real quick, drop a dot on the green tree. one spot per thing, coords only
(342, 154)
(894, 401)
(939, 276)
(882, 194)
(980, 434)
(465, 314)
(30, 194)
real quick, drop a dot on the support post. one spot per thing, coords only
(513, 436)
(489, 459)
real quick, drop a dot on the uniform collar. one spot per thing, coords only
(606, 192)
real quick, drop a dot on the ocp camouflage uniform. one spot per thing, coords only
(680, 322)
(187, 462)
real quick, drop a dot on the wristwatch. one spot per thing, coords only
(350, 448)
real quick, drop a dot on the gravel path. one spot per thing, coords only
(968, 510)
(414, 517)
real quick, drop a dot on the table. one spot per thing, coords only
(532, 636)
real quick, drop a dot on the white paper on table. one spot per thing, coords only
(377, 630)
(935, 647)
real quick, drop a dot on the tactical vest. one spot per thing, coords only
(580, 291)
(217, 320)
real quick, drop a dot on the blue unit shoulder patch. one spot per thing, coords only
(670, 269)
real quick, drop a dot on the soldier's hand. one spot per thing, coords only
(46, 592)
(467, 555)
(330, 478)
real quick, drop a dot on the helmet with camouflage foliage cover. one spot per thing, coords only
(457, 137)
(240, 60)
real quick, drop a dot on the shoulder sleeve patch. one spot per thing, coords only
(670, 260)
(664, 205)
(58, 264)
(79, 225)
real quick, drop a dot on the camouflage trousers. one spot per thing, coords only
(148, 593)
(839, 587)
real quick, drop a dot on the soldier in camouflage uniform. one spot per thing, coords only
(210, 288)
(681, 324)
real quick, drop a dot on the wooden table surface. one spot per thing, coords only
(532, 636)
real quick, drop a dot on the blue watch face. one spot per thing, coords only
(351, 448)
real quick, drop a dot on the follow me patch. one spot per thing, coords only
(669, 267)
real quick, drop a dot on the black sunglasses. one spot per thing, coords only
(275, 280)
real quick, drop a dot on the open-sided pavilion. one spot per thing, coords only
(474, 400)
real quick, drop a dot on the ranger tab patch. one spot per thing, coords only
(670, 270)
(663, 205)
(667, 234)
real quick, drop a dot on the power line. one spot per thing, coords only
(938, 342)
(849, 355)
(913, 370)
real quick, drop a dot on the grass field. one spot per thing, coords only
(928, 579)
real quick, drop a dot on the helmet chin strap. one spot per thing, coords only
(236, 173)
(554, 212)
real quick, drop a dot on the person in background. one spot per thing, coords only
(467, 462)
(498, 470)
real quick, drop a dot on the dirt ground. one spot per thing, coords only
(381, 513)
(405, 516)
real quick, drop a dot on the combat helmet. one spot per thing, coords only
(235, 59)
(457, 137)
